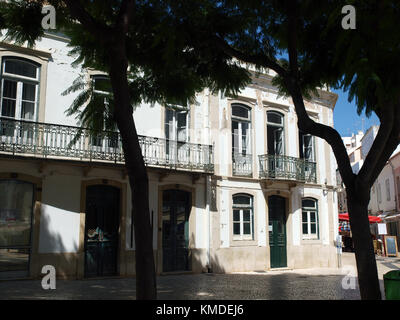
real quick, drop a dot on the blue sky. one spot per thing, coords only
(345, 117)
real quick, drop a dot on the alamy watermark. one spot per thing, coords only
(349, 20)
(49, 20)
(49, 280)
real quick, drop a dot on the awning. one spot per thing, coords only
(372, 219)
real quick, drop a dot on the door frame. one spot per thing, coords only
(121, 257)
(192, 223)
(35, 222)
(288, 208)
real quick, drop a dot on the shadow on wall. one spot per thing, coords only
(59, 231)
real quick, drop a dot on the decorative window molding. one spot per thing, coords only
(310, 219)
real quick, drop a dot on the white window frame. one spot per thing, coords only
(102, 146)
(173, 125)
(308, 211)
(277, 126)
(20, 80)
(239, 134)
(241, 208)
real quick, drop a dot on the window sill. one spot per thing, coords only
(243, 243)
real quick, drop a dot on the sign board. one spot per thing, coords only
(382, 228)
(391, 246)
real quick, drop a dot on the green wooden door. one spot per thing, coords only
(277, 231)
(101, 230)
(175, 228)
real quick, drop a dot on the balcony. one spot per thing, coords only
(242, 165)
(287, 168)
(53, 141)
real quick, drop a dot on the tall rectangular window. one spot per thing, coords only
(243, 217)
(387, 190)
(19, 89)
(310, 223)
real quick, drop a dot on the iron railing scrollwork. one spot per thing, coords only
(242, 164)
(287, 168)
(61, 141)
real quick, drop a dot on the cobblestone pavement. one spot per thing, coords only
(311, 284)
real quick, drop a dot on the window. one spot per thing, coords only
(243, 217)
(387, 190)
(102, 90)
(310, 224)
(177, 124)
(306, 143)
(275, 133)
(378, 193)
(19, 89)
(241, 140)
(241, 126)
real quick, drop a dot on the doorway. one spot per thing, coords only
(16, 218)
(176, 207)
(277, 231)
(102, 230)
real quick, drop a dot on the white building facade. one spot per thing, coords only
(234, 185)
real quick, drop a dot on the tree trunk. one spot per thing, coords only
(138, 179)
(364, 251)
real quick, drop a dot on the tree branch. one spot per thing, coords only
(98, 29)
(125, 15)
(376, 155)
(292, 36)
(329, 134)
(258, 60)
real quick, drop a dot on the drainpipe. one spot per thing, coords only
(208, 201)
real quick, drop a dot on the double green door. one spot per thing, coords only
(175, 230)
(277, 231)
(101, 230)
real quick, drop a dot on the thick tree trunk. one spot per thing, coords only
(138, 179)
(364, 251)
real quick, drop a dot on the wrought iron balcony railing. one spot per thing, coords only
(242, 165)
(287, 168)
(65, 142)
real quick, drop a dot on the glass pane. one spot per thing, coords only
(182, 129)
(102, 84)
(27, 110)
(308, 203)
(304, 216)
(28, 92)
(313, 228)
(305, 228)
(236, 228)
(16, 205)
(246, 228)
(242, 200)
(10, 89)
(312, 217)
(240, 111)
(246, 215)
(8, 108)
(273, 117)
(21, 68)
(236, 215)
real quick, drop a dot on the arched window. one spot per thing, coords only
(241, 140)
(19, 88)
(310, 220)
(243, 217)
(275, 133)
